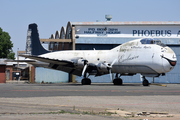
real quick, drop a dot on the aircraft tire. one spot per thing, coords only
(145, 83)
(117, 81)
(86, 81)
(89, 81)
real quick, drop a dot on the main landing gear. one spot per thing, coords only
(117, 80)
(85, 80)
(145, 81)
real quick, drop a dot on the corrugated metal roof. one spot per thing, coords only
(129, 23)
(2, 62)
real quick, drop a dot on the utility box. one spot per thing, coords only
(2, 71)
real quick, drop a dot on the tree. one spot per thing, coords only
(6, 45)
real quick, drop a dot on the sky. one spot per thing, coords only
(51, 15)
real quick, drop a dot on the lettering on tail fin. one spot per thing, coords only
(33, 44)
(28, 42)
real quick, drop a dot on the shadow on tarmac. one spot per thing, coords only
(79, 84)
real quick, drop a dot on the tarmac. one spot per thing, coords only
(19, 100)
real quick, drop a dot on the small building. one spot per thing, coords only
(10, 71)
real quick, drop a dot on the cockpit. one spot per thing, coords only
(152, 41)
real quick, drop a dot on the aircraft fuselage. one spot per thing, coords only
(131, 57)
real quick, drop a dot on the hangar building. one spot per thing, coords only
(106, 35)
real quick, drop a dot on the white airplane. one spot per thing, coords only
(146, 56)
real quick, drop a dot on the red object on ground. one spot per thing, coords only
(2, 73)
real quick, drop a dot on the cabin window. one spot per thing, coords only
(152, 41)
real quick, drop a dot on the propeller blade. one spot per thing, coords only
(113, 62)
(84, 69)
(110, 74)
(109, 66)
(105, 64)
(141, 77)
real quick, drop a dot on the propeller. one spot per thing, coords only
(85, 66)
(110, 74)
(109, 67)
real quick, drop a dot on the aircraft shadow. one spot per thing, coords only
(79, 84)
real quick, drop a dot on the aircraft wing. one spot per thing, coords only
(63, 65)
(28, 61)
(48, 60)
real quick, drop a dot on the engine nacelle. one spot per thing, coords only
(79, 63)
(93, 72)
(102, 68)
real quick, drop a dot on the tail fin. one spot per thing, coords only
(33, 44)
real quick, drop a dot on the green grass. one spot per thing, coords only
(62, 112)
(78, 112)
(127, 117)
(85, 112)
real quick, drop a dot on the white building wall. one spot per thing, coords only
(50, 76)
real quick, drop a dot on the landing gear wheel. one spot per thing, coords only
(145, 83)
(117, 81)
(86, 81)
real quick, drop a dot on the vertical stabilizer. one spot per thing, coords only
(33, 44)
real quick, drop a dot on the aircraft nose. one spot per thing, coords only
(173, 63)
(168, 65)
(169, 60)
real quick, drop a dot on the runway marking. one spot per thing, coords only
(143, 104)
(68, 90)
(137, 91)
(136, 104)
(66, 105)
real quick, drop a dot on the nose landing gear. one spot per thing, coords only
(117, 80)
(145, 81)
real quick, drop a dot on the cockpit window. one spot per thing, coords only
(152, 41)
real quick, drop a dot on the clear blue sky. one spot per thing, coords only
(51, 15)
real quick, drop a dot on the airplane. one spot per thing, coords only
(147, 56)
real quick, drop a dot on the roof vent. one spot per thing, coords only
(108, 17)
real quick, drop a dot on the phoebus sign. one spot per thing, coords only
(129, 31)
